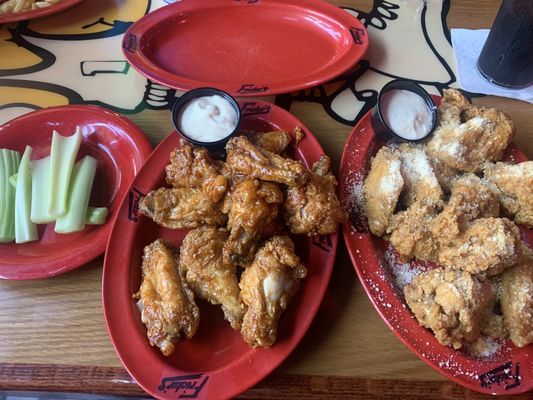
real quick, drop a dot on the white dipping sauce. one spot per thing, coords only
(207, 118)
(406, 113)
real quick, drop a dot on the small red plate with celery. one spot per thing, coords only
(66, 182)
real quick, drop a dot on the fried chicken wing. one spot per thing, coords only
(208, 275)
(515, 184)
(471, 198)
(469, 136)
(446, 175)
(246, 159)
(452, 105)
(180, 208)
(168, 308)
(488, 245)
(381, 189)
(192, 167)
(411, 232)
(275, 142)
(450, 303)
(254, 208)
(267, 287)
(420, 182)
(517, 302)
(313, 208)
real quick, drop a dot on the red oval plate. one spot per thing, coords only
(216, 363)
(245, 47)
(507, 370)
(120, 148)
(42, 12)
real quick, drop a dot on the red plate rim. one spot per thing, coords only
(140, 146)
(144, 66)
(42, 12)
(237, 376)
(366, 259)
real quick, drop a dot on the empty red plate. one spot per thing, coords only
(216, 363)
(504, 369)
(120, 148)
(41, 12)
(245, 47)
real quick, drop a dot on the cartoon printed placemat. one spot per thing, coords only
(76, 57)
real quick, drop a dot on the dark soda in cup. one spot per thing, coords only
(507, 57)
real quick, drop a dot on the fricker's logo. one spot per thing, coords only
(185, 386)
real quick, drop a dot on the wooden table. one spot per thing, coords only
(53, 337)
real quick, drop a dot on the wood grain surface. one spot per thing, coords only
(53, 336)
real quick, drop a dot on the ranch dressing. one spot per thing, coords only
(406, 113)
(207, 118)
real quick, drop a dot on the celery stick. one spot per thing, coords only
(62, 158)
(40, 191)
(78, 196)
(96, 215)
(9, 161)
(13, 180)
(25, 230)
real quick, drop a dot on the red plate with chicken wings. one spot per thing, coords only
(503, 369)
(216, 362)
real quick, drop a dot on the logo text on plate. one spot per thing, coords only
(503, 374)
(184, 386)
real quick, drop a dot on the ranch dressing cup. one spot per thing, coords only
(404, 111)
(206, 117)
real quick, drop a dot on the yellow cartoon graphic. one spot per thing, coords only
(76, 57)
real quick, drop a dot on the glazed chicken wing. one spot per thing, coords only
(180, 208)
(488, 245)
(267, 287)
(275, 142)
(206, 273)
(450, 303)
(254, 207)
(246, 159)
(381, 189)
(192, 167)
(515, 184)
(517, 302)
(168, 308)
(313, 208)
(470, 198)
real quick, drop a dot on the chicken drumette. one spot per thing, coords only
(267, 287)
(168, 308)
(208, 275)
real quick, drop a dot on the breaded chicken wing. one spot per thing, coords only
(313, 208)
(450, 303)
(267, 287)
(168, 308)
(206, 273)
(420, 182)
(469, 136)
(275, 142)
(517, 302)
(192, 167)
(515, 184)
(180, 208)
(381, 189)
(488, 245)
(254, 207)
(471, 198)
(255, 162)
(411, 234)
